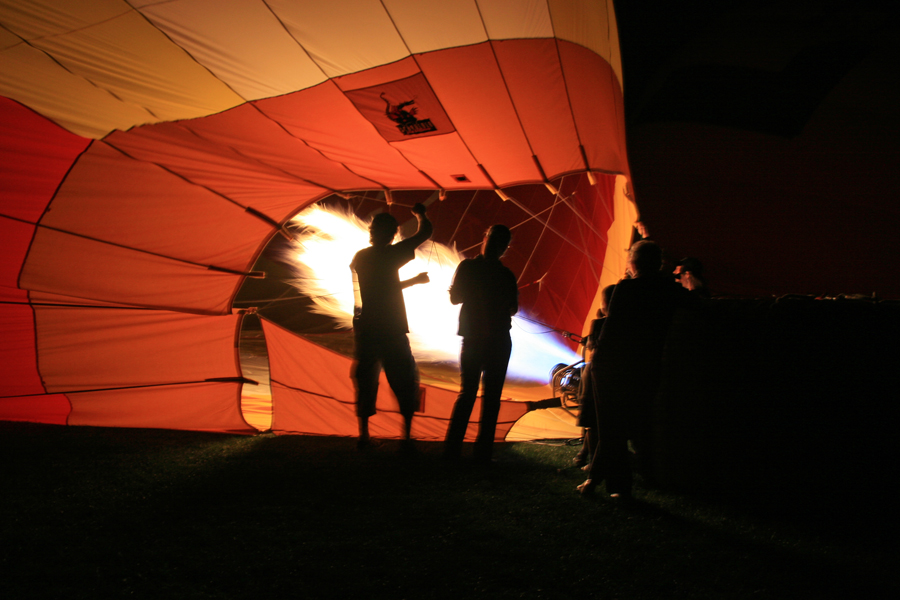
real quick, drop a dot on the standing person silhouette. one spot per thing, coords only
(379, 321)
(627, 365)
(587, 416)
(489, 296)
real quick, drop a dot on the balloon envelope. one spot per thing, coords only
(151, 151)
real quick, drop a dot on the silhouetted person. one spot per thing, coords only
(627, 364)
(379, 321)
(587, 416)
(489, 296)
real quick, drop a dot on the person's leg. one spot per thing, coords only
(366, 373)
(641, 436)
(588, 448)
(610, 461)
(587, 419)
(495, 361)
(591, 410)
(403, 377)
(470, 379)
(363, 430)
(613, 447)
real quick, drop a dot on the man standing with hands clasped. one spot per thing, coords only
(489, 296)
(379, 321)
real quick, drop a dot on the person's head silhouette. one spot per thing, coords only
(382, 229)
(496, 241)
(644, 258)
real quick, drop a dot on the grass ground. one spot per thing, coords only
(96, 513)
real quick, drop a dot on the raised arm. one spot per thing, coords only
(424, 231)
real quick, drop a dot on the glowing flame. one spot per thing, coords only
(322, 253)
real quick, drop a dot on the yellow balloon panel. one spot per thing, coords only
(34, 79)
(342, 37)
(243, 43)
(37, 19)
(428, 25)
(516, 19)
(589, 24)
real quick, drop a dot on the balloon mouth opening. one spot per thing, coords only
(328, 234)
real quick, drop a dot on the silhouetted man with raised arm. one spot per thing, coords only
(379, 321)
(489, 296)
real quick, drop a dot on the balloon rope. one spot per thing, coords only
(458, 223)
(563, 332)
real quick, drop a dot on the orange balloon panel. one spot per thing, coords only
(16, 236)
(34, 157)
(211, 406)
(52, 409)
(90, 348)
(18, 354)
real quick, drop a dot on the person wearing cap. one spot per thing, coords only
(689, 273)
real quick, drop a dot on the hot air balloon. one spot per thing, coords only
(152, 150)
